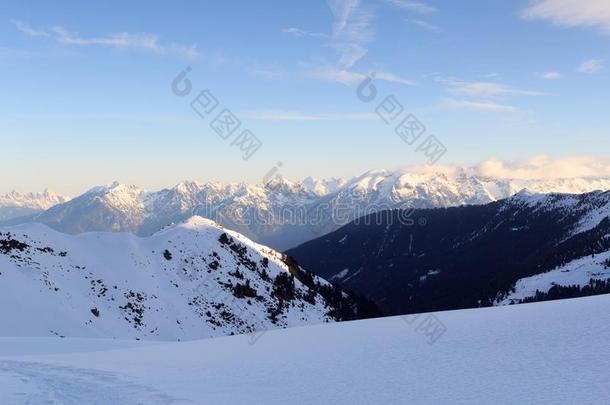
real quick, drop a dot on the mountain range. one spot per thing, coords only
(15, 205)
(283, 214)
(530, 247)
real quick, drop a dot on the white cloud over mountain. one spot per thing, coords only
(545, 167)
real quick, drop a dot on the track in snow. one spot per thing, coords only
(38, 383)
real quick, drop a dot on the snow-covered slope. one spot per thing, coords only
(547, 353)
(14, 204)
(187, 281)
(284, 214)
(578, 272)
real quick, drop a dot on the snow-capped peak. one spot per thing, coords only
(186, 187)
(115, 188)
(194, 223)
(43, 200)
(321, 187)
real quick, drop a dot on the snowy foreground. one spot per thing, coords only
(545, 353)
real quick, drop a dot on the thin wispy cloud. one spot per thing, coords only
(331, 74)
(297, 32)
(122, 40)
(341, 10)
(268, 71)
(296, 116)
(486, 89)
(426, 25)
(349, 77)
(571, 13)
(412, 6)
(14, 53)
(29, 30)
(591, 66)
(551, 75)
(352, 30)
(393, 78)
(477, 105)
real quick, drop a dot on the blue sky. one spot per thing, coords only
(87, 87)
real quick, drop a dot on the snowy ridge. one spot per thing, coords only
(188, 281)
(591, 208)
